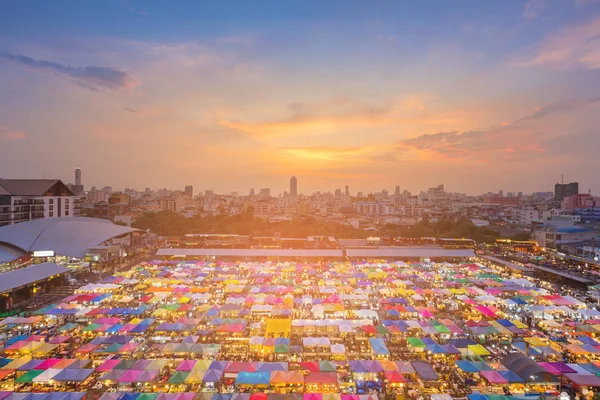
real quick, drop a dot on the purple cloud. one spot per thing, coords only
(90, 77)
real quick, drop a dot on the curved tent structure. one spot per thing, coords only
(67, 236)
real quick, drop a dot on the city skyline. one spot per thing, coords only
(573, 188)
(229, 96)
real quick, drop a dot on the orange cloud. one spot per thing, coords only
(10, 135)
(330, 117)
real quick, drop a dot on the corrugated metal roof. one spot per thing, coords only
(250, 252)
(27, 187)
(426, 252)
(67, 236)
(26, 276)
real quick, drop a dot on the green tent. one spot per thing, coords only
(438, 326)
(113, 348)
(327, 366)
(69, 326)
(381, 329)
(415, 342)
(147, 396)
(91, 327)
(179, 377)
(125, 364)
(282, 348)
(29, 375)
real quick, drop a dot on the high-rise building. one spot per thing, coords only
(77, 187)
(338, 193)
(293, 186)
(265, 192)
(562, 190)
(189, 191)
(347, 191)
(397, 192)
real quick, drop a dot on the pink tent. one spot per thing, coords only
(59, 339)
(128, 347)
(186, 365)
(130, 376)
(494, 377)
(313, 396)
(486, 311)
(127, 327)
(185, 396)
(88, 348)
(148, 375)
(48, 363)
(107, 365)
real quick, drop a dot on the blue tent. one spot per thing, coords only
(519, 301)
(253, 378)
(587, 340)
(511, 377)
(467, 366)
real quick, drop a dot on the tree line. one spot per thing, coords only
(169, 223)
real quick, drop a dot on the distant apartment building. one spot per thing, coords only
(172, 203)
(263, 207)
(525, 216)
(374, 208)
(189, 191)
(119, 198)
(561, 231)
(562, 190)
(580, 201)
(29, 199)
(589, 214)
(497, 199)
(435, 193)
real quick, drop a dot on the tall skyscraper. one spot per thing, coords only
(293, 186)
(347, 191)
(77, 176)
(189, 191)
(78, 187)
(562, 190)
(397, 192)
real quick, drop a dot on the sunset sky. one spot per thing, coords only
(232, 95)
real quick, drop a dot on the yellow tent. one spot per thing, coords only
(519, 324)
(195, 375)
(16, 363)
(203, 365)
(279, 326)
(536, 341)
(478, 350)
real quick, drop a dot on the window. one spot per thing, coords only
(66, 213)
(66, 201)
(51, 214)
(51, 201)
(51, 207)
